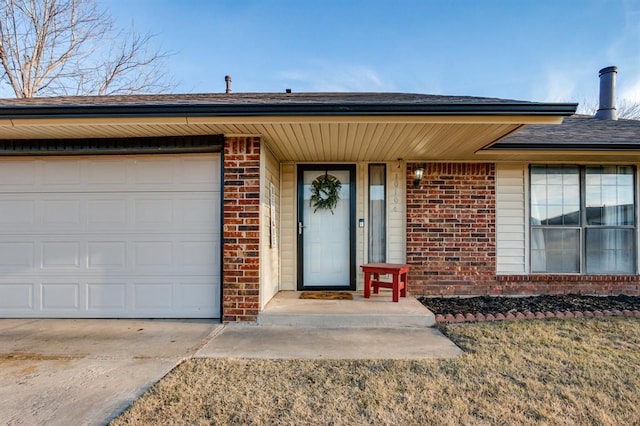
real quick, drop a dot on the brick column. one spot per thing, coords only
(241, 230)
(451, 243)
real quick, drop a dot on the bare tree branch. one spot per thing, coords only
(629, 109)
(626, 108)
(62, 47)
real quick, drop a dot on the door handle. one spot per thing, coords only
(300, 226)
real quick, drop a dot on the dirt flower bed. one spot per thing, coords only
(579, 371)
(503, 305)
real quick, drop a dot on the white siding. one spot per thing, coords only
(396, 219)
(269, 256)
(287, 224)
(511, 219)
(362, 212)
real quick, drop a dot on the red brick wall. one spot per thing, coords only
(567, 284)
(451, 241)
(241, 230)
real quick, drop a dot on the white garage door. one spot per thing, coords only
(110, 236)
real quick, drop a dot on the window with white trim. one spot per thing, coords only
(377, 213)
(583, 219)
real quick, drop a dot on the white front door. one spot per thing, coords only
(325, 230)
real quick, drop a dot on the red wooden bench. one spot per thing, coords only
(398, 274)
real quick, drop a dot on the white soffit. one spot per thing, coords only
(304, 138)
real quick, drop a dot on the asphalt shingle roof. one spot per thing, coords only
(257, 98)
(274, 104)
(576, 132)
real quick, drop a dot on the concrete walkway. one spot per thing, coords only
(86, 372)
(329, 343)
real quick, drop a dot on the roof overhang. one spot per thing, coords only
(298, 132)
(599, 156)
(581, 138)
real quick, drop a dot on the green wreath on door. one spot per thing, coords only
(325, 193)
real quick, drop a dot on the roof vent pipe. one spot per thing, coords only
(227, 80)
(607, 108)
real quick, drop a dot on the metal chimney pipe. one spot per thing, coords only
(607, 108)
(227, 80)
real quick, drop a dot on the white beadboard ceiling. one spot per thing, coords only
(302, 139)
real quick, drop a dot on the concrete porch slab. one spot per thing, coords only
(286, 309)
(329, 343)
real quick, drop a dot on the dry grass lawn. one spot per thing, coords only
(526, 372)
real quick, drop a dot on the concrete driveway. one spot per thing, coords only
(60, 372)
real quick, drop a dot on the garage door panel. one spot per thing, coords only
(198, 253)
(15, 211)
(16, 255)
(110, 255)
(196, 295)
(153, 296)
(152, 171)
(120, 297)
(61, 254)
(200, 171)
(154, 212)
(153, 255)
(104, 173)
(60, 172)
(63, 213)
(194, 212)
(18, 175)
(106, 213)
(115, 254)
(112, 173)
(60, 296)
(107, 297)
(16, 297)
(78, 242)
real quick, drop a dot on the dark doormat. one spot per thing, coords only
(326, 295)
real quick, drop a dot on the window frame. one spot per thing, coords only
(583, 225)
(385, 212)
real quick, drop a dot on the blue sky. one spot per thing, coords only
(538, 50)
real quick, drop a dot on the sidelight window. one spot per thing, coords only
(377, 213)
